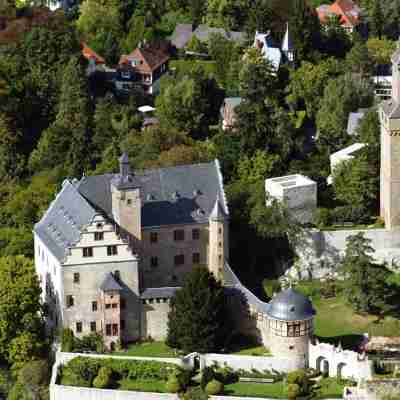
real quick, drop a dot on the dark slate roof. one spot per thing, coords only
(290, 305)
(159, 293)
(175, 195)
(110, 284)
(60, 227)
(181, 36)
(203, 33)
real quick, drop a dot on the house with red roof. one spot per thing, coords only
(143, 67)
(348, 13)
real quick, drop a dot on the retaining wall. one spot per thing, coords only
(320, 252)
(249, 362)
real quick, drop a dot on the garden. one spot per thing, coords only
(162, 377)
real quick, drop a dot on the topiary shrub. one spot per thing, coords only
(195, 393)
(67, 340)
(299, 378)
(293, 391)
(173, 385)
(214, 387)
(103, 379)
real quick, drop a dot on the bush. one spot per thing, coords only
(103, 379)
(195, 393)
(214, 387)
(226, 375)
(299, 378)
(207, 375)
(173, 385)
(323, 217)
(293, 391)
(67, 340)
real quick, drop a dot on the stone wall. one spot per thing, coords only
(155, 318)
(166, 273)
(320, 252)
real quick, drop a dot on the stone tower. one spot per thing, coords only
(389, 114)
(290, 326)
(218, 251)
(126, 202)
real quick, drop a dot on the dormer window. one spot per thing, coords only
(99, 225)
(98, 236)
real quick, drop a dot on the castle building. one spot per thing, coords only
(112, 249)
(389, 114)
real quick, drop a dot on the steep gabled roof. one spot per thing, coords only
(60, 227)
(149, 58)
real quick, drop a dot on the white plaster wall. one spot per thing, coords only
(49, 272)
(351, 364)
(155, 319)
(250, 362)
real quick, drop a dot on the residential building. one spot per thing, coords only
(272, 52)
(95, 62)
(112, 249)
(142, 68)
(348, 13)
(184, 32)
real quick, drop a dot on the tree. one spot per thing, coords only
(135, 33)
(356, 184)
(365, 284)
(305, 29)
(358, 59)
(189, 103)
(198, 319)
(377, 19)
(341, 96)
(381, 50)
(100, 24)
(307, 84)
(20, 311)
(65, 143)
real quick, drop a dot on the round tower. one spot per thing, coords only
(290, 326)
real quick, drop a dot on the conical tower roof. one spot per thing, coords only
(218, 212)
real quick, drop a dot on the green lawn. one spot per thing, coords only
(188, 65)
(336, 321)
(252, 351)
(156, 386)
(147, 349)
(275, 390)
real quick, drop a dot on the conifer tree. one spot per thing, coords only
(198, 318)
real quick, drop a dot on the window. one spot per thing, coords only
(87, 252)
(108, 305)
(76, 277)
(78, 327)
(179, 235)
(122, 324)
(219, 231)
(70, 300)
(98, 236)
(154, 262)
(129, 202)
(196, 258)
(123, 303)
(112, 250)
(114, 305)
(126, 74)
(99, 225)
(94, 305)
(115, 329)
(93, 326)
(153, 237)
(108, 329)
(196, 234)
(179, 259)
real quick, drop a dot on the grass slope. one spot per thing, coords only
(147, 349)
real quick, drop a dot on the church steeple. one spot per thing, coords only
(287, 45)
